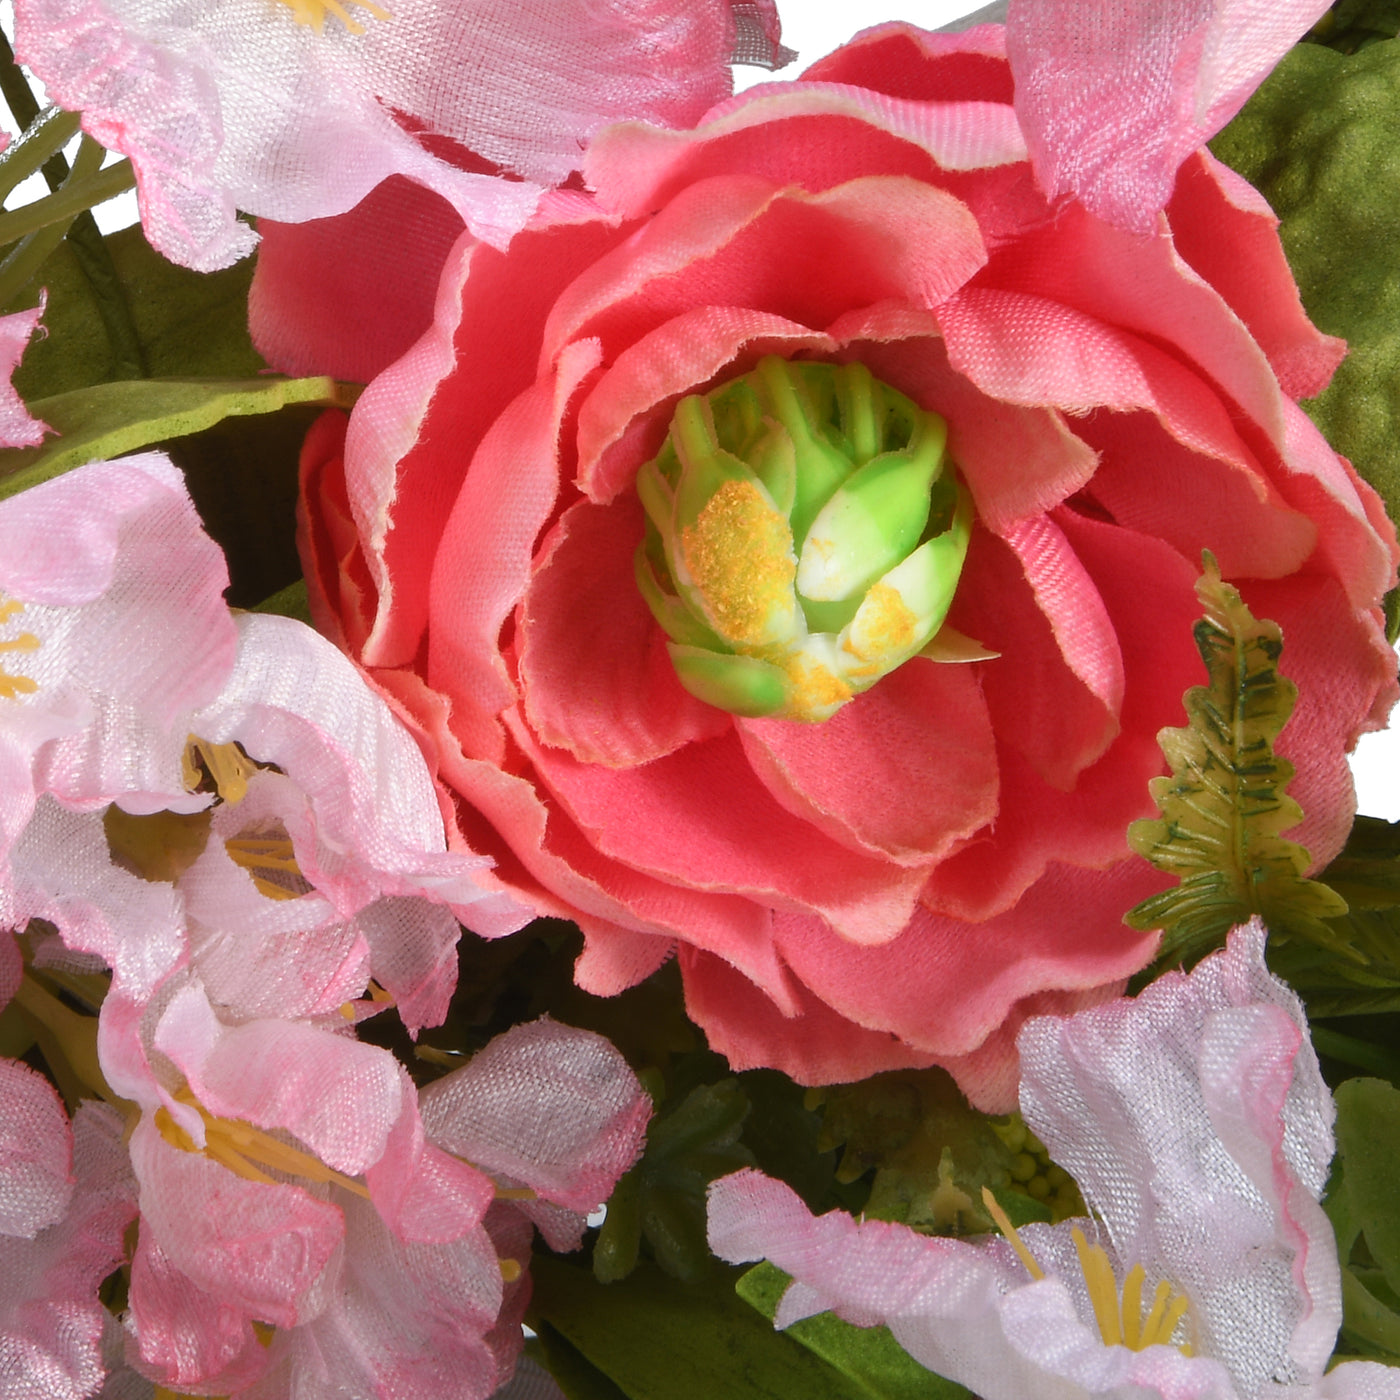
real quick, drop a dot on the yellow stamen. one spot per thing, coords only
(227, 766)
(1103, 1288)
(1132, 1308)
(516, 1193)
(1003, 1222)
(237, 1146)
(312, 13)
(272, 863)
(12, 685)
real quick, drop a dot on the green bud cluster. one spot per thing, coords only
(805, 535)
(1033, 1172)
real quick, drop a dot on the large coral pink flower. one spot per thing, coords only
(903, 882)
(1196, 1122)
(297, 110)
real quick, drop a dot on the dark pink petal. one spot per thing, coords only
(623, 418)
(348, 295)
(1114, 96)
(36, 1152)
(812, 1044)
(907, 770)
(744, 240)
(17, 427)
(903, 61)
(1225, 230)
(699, 817)
(944, 986)
(545, 1105)
(636, 169)
(595, 674)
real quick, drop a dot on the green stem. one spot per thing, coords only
(64, 206)
(42, 140)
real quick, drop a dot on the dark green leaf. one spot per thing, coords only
(576, 1376)
(869, 1356)
(658, 1339)
(106, 420)
(1224, 807)
(288, 602)
(1318, 139)
(1354, 24)
(1368, 1140)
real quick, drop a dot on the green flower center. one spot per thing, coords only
(805, 535)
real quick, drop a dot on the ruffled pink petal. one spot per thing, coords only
(477, 579)
(554, 1108)
(1016, 461)
(878, 777)
(901, 60)
(636, 169)
(255, 1247)
(18, 428)
(595, 674)
(1113, 97)
(700, 817)
(747, 241)
(1222, 226)
(624, 417)
(36, 1152)
(348, 295)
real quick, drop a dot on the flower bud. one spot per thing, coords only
(805, 535)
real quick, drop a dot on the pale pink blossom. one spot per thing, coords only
(17, 427)
(1114, 96)
(1196, 1122)
(296, 110)
(52, 1323)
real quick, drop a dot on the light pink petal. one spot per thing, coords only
(1232, 1147)
(36, 1152)
(413, 951)
(423, 1194)
(184, 1335)
(255, 1247)
(1113, 96)
(595, 674)
(338, 1096)
(51, 1321)
(348, 295)
(1222, 226)
(17, 427)
(877, 776)
(1360, 1380)
(554, 1108)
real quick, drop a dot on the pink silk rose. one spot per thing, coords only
(904, 882)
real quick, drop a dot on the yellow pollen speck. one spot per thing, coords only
(312, 13)
(888, 625)
(815, 690)
(12, 685)
(739, 553)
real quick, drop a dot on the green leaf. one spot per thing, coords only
(290, 601)
(107, 420)
(1354, 24)
(574, 1373)
(1318, 140)
(658, 1339)
(1224, 807)
(868, 1356)
(1365, 1211)
(186, 323)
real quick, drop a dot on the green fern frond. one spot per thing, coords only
(1224, 807)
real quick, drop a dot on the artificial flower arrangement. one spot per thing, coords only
(657, 744)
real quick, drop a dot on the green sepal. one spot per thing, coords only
(1224, 807)
(705, 465)
(107, 420)
(868, 1356)
(743, 685)
(291, 601)
(872, 520)
(678, 622)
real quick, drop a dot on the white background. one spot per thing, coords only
(814, 28)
